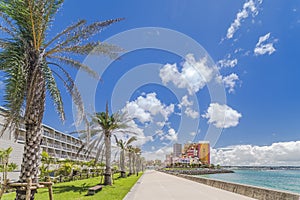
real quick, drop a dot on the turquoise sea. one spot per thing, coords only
(288, 180)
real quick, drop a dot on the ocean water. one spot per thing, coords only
(286, 180)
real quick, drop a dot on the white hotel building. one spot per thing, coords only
(57, 144)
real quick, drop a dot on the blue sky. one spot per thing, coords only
(255, 47)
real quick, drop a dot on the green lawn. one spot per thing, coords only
(77, 190)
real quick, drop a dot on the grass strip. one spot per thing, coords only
(77, 190)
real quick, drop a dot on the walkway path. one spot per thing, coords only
(161, 186)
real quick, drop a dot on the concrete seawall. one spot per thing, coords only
(250, 191)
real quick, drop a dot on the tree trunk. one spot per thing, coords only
(133, 162)
(122, 164)
(138, 164)
(130, 163)
(107, 174)
(35, 105)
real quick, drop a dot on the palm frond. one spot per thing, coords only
(54, 91)
(73, 91)
(130, 140)
(93, 48)
(65, 31)
(15, 90)
(83, 33)
(9, 23)
(76, 64)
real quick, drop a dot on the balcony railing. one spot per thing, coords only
(21, 137)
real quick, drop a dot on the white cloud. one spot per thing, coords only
(193, 76)
(159, 154)
(145, 107)
(185, 102)
(222, 116)
(228, 81)
(159, 132)
(191, 113)
(228, 63)
(262, 47)
(193, 133)
(188, 109)
(281, 153)
(171, 135)
(133, 130)
(249, 7)
(161, 124)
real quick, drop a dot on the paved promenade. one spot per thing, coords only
(161, 186)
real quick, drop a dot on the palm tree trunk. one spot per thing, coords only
(133, 162)
(34, 112)
(130, 163)
(122, 164)
(107, 174)
(138, 168)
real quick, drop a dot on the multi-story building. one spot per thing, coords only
(57, 144)
(177, 150)
(204, 152)
(200, 150)
(169, 159)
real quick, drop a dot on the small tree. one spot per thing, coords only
(46, 161)
(102, 127)
(123, 146)
(5, 167)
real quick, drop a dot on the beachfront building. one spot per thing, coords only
(169, 160)
(177, 150)
(199, 150)
(57, 144)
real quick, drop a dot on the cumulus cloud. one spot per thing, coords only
(158, 154)
(132, 130)
(281, 153)
(193, 133)
(228, 81)
(191, 113)
(161, 124)
(193, 76)
(222, 116)
(249, 7)
(262, 47)
(185, 102)
(171, 135)
(159, 132)
(228, 63)
(145, 107)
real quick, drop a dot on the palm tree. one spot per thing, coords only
(123, 146)
(102, 128)
(33, 63)
(137, 153)
(130, 149)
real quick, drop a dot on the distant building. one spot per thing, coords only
(169, 160)
(200, 150)
(204, 152)
(177, 150)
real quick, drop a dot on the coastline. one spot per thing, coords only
(259, 193)
(197, 171)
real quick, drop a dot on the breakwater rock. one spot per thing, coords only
(197, 171)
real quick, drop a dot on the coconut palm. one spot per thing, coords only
(130, 150)
(33, 63)
(123, 146)
(137, 153)
(102, 127)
